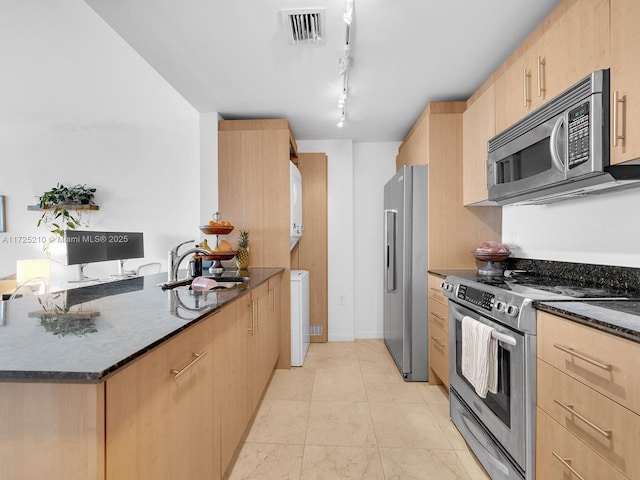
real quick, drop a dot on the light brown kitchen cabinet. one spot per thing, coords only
(413, 150)
(261, 331)
(273, 315)
(588, 401)
(454, 230)
(160, 414)
(311, 251)
(231, 356)
(625, 90)
(569, 44)
(438, 333)
(35, 416)
(478, 126)
(253, 191)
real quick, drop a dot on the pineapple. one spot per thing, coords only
(242, 255)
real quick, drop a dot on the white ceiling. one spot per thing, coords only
(232, 57)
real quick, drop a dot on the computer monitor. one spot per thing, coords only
(84, 246)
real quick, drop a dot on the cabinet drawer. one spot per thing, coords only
(439, 314)
(600, 360)
(610, 429)
(555, 445)
(435, 291)
(439, 352)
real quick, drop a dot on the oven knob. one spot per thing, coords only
(512, 310)
(500, 306)
(447, 287)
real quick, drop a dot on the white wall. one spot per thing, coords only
(80, 106)
(602, 229)
(373, 165)
(340, 234)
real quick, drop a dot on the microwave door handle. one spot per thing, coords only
(553, 144)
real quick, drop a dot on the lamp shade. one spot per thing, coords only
(31, 269)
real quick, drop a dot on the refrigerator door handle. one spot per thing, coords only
(390, 250)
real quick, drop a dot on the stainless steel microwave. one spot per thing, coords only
(561, 147)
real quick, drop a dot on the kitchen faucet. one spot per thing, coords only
(175, 260)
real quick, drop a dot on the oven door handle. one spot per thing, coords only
(501, 337)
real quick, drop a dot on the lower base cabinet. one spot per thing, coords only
(180, 411)
(160, 420)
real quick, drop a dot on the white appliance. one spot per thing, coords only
(300, 329)
(296, 206)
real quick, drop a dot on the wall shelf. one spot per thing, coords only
(73, 206)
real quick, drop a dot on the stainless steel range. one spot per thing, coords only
(500, 428)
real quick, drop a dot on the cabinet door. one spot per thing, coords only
(625, 70)
(561, 455)
(259, 342)
(514, 90)
(231, 356)
(571, 48)
(478, 126)
(273, 342)
(569, 44)
(160, 412)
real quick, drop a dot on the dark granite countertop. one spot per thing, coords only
(86, 334)
(618, 317)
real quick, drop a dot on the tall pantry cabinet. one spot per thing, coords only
(311, 251)
(253, 172)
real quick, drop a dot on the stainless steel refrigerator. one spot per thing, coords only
(405, 272)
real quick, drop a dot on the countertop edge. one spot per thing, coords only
(591, 322)
(30, 376)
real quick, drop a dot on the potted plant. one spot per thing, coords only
(58, 204)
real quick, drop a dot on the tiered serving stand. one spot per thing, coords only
(490, 269)
(218, 256)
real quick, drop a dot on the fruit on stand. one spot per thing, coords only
(223, 246)
(204, 244)
(242, 255)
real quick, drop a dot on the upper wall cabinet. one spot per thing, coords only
(569, 44)
(413, 149)
(454, 230)
(478, 126)
(625, 89)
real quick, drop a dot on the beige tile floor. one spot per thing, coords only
(347, 414)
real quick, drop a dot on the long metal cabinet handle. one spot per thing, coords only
(616, 135)
(525, 88)
(565, 462)
(569, 408)
(439, 317)
(197, 358)
(582, 356)
(253, 320)
(438, 342)
(541, 84)
(273, 298)
(258, 314)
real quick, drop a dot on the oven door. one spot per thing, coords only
(502, 413)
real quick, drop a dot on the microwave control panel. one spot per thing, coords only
(578, 135)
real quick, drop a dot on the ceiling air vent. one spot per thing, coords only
(304, 25)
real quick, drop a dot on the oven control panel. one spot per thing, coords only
(476, 297)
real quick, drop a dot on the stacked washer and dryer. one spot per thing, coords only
(300, 329)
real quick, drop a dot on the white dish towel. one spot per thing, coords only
(479, 356)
